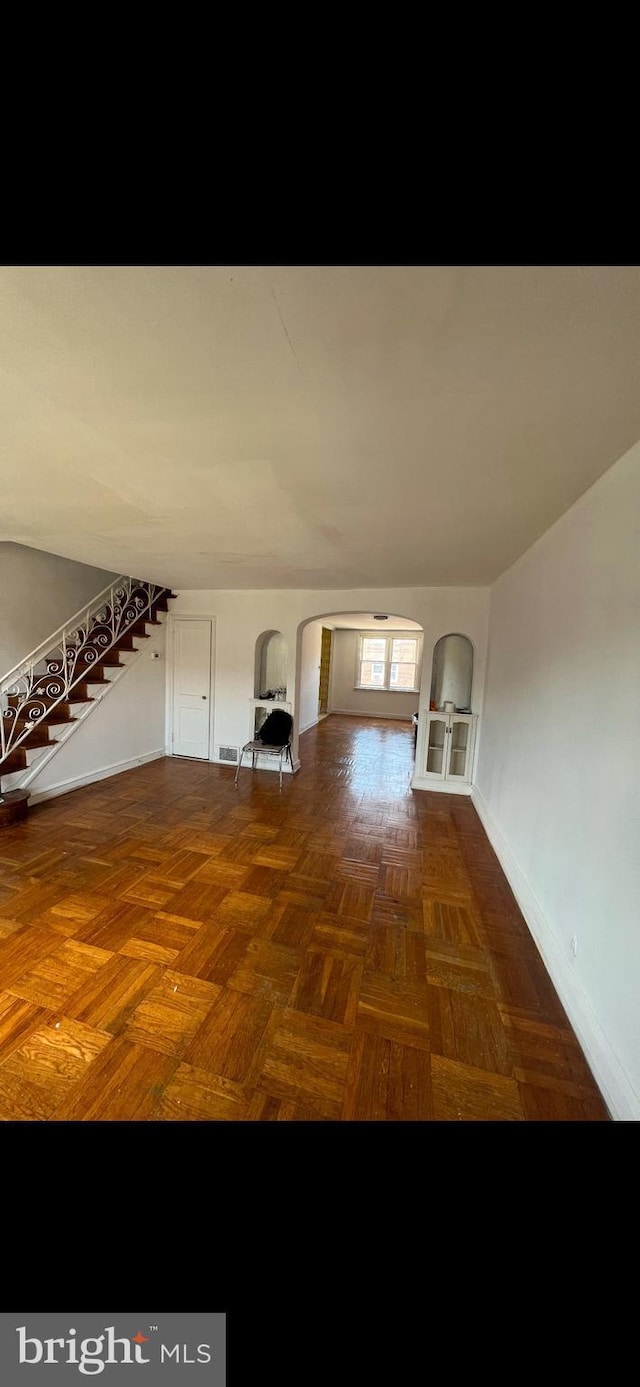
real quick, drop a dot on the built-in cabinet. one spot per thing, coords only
(449, 747)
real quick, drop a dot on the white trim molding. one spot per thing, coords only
(441, 787)
(614, 1083)
(314, 722)
(353, 712)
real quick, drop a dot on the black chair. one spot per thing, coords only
(273, 739)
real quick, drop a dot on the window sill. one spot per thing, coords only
(367, 688)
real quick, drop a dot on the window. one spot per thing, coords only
(388, 662)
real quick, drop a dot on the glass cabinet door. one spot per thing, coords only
(459, 743)
(436, 746)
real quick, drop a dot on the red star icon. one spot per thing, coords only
(140, 1338)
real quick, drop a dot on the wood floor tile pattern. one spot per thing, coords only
(173, 949)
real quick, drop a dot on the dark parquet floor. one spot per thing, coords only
(174, 949)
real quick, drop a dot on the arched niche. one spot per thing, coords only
(270, 664)
(452, 672)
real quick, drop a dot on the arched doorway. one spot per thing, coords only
(363, 666)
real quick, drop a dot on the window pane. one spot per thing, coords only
(372, 675)
(403, 676)
(404, 650)
(373, 649)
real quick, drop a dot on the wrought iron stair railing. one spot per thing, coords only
(74, 655)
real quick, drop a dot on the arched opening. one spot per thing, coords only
(270, 678)
(452, 674)
(362, 671)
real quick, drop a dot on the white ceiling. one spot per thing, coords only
(364, 621)
(309, 427)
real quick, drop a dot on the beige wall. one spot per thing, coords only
(39, 593)
(558, 777)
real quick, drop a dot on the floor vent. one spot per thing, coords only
(228, 753)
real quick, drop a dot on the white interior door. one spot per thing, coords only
(191, 688)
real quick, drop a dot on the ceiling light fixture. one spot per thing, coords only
(379, 617)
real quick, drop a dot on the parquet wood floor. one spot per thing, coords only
(173, 949)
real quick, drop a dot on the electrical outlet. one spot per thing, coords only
(573, 946)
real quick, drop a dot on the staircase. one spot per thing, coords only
(55, 688)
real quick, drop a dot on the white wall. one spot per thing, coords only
(39, 592)
(310, 675)
(242, 616)
(127, 727)
(345, 698)
(558, 778)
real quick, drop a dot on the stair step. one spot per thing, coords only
(38, 736)
(92, 674)
(124, 643)
(103, 657)
(50, 719)
(60, 713)
(15, 761)
(14, 806)
(96, 677)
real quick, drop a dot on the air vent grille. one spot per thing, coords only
(228, 753)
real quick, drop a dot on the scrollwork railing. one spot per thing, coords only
(30, 691)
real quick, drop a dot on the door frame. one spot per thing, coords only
(170, 661)
(323, 713)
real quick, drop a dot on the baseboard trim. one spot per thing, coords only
(351, 712)
(308, 725)
(612, 1079)
(76, 782)
(440, 787)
